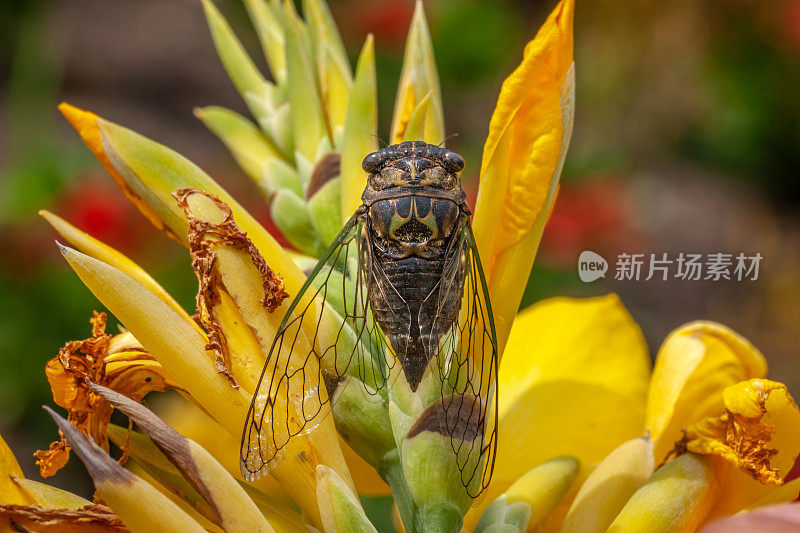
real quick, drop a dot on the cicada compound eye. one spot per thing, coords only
(453, 162)
(372, 162)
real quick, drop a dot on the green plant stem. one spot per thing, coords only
(392, 473)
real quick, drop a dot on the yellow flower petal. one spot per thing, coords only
(181, 350)
(786, 493)
(694, 365)
(758, 434)
(676, 499)
(234, 282)
(240, 276)
(366, 479)
(133, 373)
(416, 121)
(232, 509)
(105, 253)
(51, 497)
(605, 492)
(193, 423)
(522, 159)
(543, 488)
(10, 492)
(573, 382)
(148, 173)
(335, 84)
(85, 123)
(175, 488)
(138, 504)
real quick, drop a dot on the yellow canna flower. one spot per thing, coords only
(575, 380)
(693, 367)
(572, 382)
(755, 442)
(584, 427)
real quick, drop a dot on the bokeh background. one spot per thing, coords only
(686, 139)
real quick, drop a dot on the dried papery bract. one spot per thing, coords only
(93, 518)
(203, 237)
(119, 362)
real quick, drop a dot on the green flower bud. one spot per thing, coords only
(502, 516)
(339, 509)
(325, 208)
(291, 216)
(362, 420)
(277, 175)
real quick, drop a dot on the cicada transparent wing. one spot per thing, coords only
(326, 332)
(466, 364)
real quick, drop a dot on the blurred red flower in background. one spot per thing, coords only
(590, 214)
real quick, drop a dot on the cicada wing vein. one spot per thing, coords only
(306, 362)
(466, 365)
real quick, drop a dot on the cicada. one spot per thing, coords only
(401, 283)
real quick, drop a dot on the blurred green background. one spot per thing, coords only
(686, 139)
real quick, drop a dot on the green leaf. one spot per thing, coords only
(360, 130)
(339, 508)
(362, 421)
(270, 33)
(324, 34)
(279, 175)
(290, 214)
(51, 497)
(275, 121)
(333, 67)
(248, 145)
(240, 68)
(336, 86)
(325, 209)
(308, 122)
(434, 479)
(504, 516)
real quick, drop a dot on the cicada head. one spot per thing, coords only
(413, 164)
